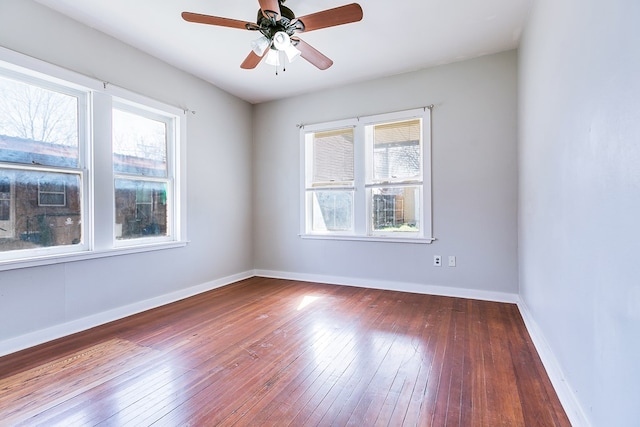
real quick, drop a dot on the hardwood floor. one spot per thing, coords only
(276, 353)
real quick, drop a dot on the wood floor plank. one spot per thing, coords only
(400, 348)
(278, 352)
(352, 392)
(354, 318)
(338, 349)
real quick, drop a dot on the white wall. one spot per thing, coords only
(474, 181)
(218, 173)
(579, 197)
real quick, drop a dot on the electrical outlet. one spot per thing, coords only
(437, 261)
(452, 261)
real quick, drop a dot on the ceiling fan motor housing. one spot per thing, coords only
(268, 26)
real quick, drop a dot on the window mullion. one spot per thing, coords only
(103, 179)
(427, 221)
(360, 168)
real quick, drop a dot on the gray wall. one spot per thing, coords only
(474, 180)
(218, 161)
(579, 197)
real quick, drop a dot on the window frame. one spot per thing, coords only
(310, 187)
(363, 183)
(170, 178)
(95, 164)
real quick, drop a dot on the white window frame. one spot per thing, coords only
(170, 121)
(95, 101)
(363, 184)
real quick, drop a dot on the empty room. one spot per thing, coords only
(259, 212)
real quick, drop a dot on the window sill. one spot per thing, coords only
(390, 239)
(87, 255)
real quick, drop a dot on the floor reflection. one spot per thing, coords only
(307, 300)
(370, 350)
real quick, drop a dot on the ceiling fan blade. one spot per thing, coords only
(252, 60)
(332, 17)
(270, 8)
(312, 55)
(215, 20)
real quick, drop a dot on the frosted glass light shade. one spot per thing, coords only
(260, 45)
(281, 40)
(292, 53)
(273, 57)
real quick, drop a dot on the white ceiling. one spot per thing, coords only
(395, 36)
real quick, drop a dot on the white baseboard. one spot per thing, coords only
(567, 398)
(416, 288)
(31, 339)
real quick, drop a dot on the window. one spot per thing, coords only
(85, 168)
(52, 192)
(332, 181)
(368, 178)
(41, 169)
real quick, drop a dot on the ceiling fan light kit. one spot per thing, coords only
(259, 45)
(281, 40)
(278, 24)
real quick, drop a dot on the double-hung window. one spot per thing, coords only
(86, 169)
(143, 184)
(368, 178)
(43, 167)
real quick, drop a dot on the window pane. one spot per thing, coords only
(139, 144)
(396, 209)
(26, 223)
(396, 150)
(37, 125)
(332, 211)
(333, 156)
(141, 209)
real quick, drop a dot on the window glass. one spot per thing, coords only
(396, 209)
(141, 208)
(38, 125)
(332, 210)
(30, 218)
(333, 157)
(396, 150)
(139, 144)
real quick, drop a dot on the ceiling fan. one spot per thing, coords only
(278, 26)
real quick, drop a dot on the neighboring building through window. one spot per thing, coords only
(368, 177)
